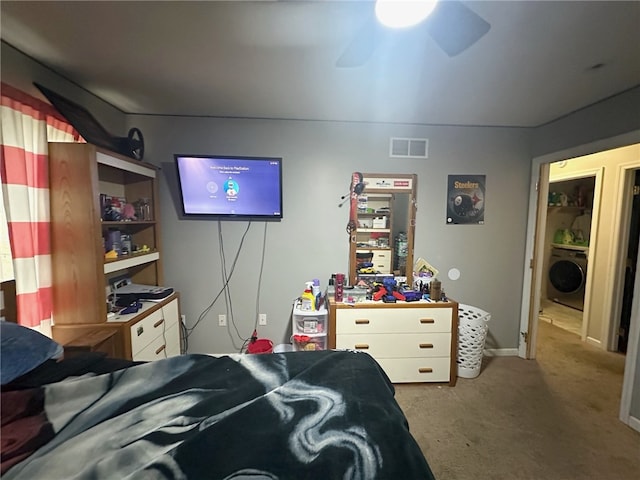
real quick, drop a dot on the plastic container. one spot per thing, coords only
(309, 329)
(307, 322)
(315, 288)
(261, 345)
(307, 299)
(283, 348)
(309, 342)
(473, 325)
(339, 287)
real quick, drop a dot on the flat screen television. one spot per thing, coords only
(226, 186)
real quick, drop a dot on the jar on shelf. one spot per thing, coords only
(143, 209)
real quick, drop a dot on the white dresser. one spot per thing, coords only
(151, 333)
(412, 342)
(156, 335)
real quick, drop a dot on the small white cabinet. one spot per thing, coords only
(309, 329)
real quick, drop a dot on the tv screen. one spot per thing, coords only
(230, 186)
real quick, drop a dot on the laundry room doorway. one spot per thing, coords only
(610, 238)
(573, 191)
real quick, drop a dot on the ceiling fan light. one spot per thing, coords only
(403, 13)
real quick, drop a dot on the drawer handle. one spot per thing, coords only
(425, 370)
(158, 323)
(160, 349)
(426, 345)
(427, 320)
(361, 346)
(140, 331)
(362, 321)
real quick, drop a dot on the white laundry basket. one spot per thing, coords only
(473, 325)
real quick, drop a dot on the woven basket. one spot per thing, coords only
(472, 332)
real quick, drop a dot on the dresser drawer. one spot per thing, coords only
(378, 255)
(399, 346)
(170, 313)
(165, 345)
(381, 259)
(393, 320)
(147, 329)
(144, 331)
(405, 370)
(382, 266)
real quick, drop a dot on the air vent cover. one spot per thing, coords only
(409, 147)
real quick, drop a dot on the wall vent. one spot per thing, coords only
(409, 147)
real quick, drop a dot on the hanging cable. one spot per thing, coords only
(226, 280)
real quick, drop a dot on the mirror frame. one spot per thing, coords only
(392, 184)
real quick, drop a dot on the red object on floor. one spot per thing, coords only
(259, 345)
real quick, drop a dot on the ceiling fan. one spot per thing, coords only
(452, 25)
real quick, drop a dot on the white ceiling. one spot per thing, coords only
(276, 59)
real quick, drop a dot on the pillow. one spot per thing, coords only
(23, 349)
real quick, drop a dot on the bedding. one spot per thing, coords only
(22, 349)
(295, 415)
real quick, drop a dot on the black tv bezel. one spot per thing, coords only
(230, 216)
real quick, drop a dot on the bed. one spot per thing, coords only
(294, 415)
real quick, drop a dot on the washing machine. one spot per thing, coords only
(567, 277)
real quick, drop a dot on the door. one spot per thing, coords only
(630, 267)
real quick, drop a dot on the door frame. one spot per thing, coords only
(538, 194)
(625, 176)
(631, 361)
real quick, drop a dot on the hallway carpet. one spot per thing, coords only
(553, 418)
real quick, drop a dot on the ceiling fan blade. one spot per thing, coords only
(455, 27)
(362, 46)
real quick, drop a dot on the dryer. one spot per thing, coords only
(567, 277)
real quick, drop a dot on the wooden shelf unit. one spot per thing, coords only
(79, 174)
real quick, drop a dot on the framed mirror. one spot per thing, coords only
(381, 225)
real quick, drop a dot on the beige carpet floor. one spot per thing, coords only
(553, 418)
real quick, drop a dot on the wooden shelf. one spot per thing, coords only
(373, 230)
(125, 223)
(121, 263)
(79, 174)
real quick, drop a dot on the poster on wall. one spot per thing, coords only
(465, 199)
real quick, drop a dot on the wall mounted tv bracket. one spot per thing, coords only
(81, 119)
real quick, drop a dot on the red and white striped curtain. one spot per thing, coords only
(27, 125)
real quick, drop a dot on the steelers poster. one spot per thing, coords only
(465, 199)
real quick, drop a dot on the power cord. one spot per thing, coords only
(226, 279)
(227, 290)
(255, 321)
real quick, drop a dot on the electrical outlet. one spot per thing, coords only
(262, 319)
(183, 319)
(222, 320)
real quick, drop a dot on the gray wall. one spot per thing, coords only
(609, 118)
(311, 242)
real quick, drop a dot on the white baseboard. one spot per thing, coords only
(594, 342)
(501, 352)
(634, 423)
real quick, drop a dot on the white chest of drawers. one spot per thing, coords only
(412, 342)
(157, 335)
(151, 333)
